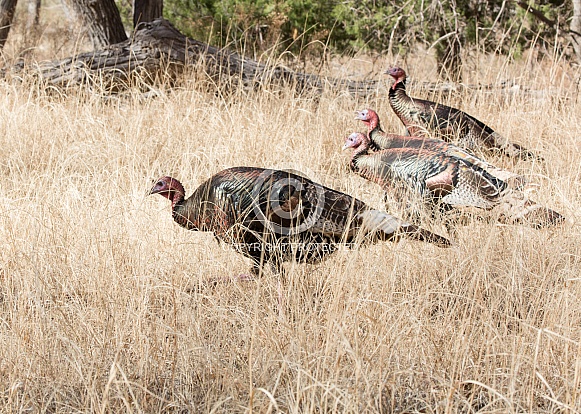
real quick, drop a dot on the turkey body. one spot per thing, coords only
(380, 140)
(438, 178)
(272, 216)
(433, 176)
(422, 117)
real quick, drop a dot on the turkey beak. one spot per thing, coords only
(390, 73)
(153, 190)
(358, 116)
(346, 146)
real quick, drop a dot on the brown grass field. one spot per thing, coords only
(105, 304)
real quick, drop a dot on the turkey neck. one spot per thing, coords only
(358, 152)
(379, 139)
(400, 102)
(187, 212)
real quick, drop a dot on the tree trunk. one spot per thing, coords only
(575, 29)
(102, 19)
(158, 50)
(32, 29)
(145, 11)
(7, 8)
(33, 15)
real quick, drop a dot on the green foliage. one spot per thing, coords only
(126, 10)
(295, 24)
(449, 26)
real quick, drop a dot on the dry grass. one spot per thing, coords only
(103, 305)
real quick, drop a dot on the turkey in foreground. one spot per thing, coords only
(273, 216)
(422, 116)
(439, 179)
(381, 140)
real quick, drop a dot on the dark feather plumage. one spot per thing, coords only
(422, 117)
(438, 178)
(381, 140)
(273, 216)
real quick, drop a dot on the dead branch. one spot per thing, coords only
(157, 46)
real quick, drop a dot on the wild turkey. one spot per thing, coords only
(273, 216)
(382, 140)
(438, 179)
(422, 117)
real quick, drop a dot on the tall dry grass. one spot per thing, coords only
(104, 305)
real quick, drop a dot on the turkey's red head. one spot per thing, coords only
(170, 188)
(397, 73)
(369, 118)
(355, 140)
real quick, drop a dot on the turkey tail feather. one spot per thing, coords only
(386, 227)
(540, 216)
(417, 233)
(527, 211)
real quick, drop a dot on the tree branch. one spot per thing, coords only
(157, 46)
(537, 13)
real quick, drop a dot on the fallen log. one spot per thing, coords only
(157, 48)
